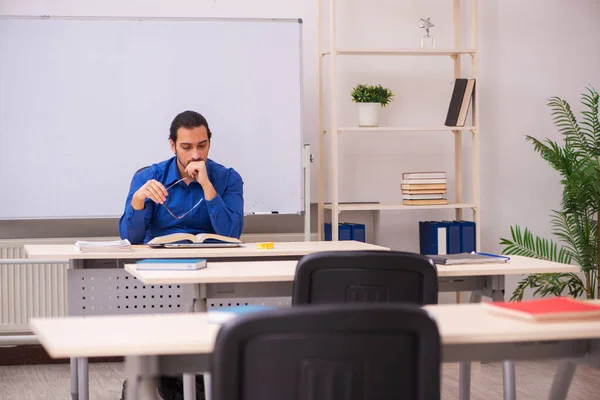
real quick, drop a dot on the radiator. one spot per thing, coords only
(39, 290)
(30, 290)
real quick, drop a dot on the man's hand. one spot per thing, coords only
(197, 170)
(153, 190)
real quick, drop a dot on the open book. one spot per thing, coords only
(189, 240)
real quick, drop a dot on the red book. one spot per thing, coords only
(547, 309)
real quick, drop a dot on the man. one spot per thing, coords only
(186, 193)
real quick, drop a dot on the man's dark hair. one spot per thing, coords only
(188, 119)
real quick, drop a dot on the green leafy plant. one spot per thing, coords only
(577, 159)
(371, 94)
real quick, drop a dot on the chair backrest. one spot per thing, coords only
(138, 171)
(329, 352)
(365, 276)
(141, 169)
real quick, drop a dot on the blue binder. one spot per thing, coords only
(344, 231)
(452, 236)
(358, 232)
(432, 237)
(467, 236)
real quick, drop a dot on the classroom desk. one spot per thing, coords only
(282, 250)
(275, 278)
(107, 260)
(480, 279)
(180, 343)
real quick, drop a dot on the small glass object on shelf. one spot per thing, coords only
(427, 41)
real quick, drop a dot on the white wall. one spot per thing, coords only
(529, 51)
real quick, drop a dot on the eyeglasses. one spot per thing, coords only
(171, 212)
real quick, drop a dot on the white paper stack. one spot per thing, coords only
(102, 246)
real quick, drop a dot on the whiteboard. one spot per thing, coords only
(86, 102)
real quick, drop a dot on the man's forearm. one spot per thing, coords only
(209, 191)
(137, 204)
(132, 226)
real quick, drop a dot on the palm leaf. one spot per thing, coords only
(549, 284)
(575, 233)
(556, 156)
(590, 124)
(525, 244)
(565, 121)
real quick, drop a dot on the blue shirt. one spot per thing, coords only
(223, 215)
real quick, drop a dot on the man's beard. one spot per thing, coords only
(180, 161)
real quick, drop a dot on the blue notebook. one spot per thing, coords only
(223, 314)
(171, 264)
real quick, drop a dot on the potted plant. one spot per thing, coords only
(577, 159)
(370, 100)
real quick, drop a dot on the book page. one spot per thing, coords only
(207, 237)
(174, 237)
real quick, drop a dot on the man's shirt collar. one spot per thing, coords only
(172, 175)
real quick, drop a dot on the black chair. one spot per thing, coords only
(329, 352)
(365, 276)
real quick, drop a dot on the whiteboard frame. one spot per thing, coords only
(305, 168)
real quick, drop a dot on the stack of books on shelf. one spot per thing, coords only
(424, 188)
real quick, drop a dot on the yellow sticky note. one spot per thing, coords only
(265, 245)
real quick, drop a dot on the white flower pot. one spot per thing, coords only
(368, 114)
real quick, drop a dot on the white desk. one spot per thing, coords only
(181, 343)
(269, 278)
(480, 279)
(266, 277)
(221, 272)
(282, 250)
(99, 262)
(516, 266)
(276, 271)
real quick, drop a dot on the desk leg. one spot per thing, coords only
(464, 372)
(475, 297)
(508, 367)
(75, 374)
(141, 374)
(82, 368)
(562, 380)
(464, 381)
(207, 387)
(195, 298)
(200, 304)
(189, 386)
(509, 381)
(376, 224)
(74, 380)
(498, 295)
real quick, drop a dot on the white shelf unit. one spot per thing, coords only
(403, 129)
(401, 52)
(389, 207)
(455, 54)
